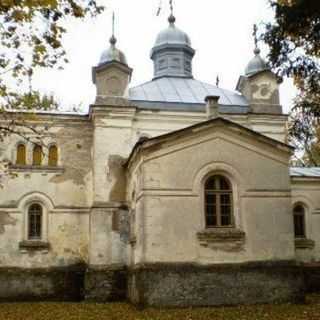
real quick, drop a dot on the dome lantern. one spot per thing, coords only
(172, 53)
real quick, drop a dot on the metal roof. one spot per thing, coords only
(185, 92)
(305, 172)
(256, 65)
(172, 35)
(113, 53)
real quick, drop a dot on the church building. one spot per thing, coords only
(172, 193)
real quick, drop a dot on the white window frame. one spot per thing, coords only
(46, 204)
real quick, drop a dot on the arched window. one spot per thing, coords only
(299, 221)
(37, 156)
(218, 202)
(53, 156)
(21, 155)
(35, 222)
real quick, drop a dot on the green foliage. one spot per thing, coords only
(121, 311)
(294, 42)
(312, 157)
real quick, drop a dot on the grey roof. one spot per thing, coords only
(184, 93)
(172, 35)
(256, 65)
(305, 172)
(113, 54)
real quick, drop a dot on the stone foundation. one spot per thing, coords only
(169, 285)
(56, 284)
(312, 277)
(184, 285)
(106, 284)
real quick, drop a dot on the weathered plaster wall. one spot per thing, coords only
(306, 191)
(90, 174)
(68, 239)
(173, 206)
(113, 81)
(262, 92)
(65, 193)
(70, 184)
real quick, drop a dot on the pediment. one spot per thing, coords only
(217, 128)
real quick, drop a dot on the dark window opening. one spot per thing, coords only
(35, 222)
(299, 221)
(218, 202)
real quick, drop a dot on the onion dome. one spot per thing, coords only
(172, 35)
(172, 53)
(256, 65)
(112, 54)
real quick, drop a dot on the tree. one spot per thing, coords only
(294, 42)
(30, 38)
(312, 158)
(305, 137)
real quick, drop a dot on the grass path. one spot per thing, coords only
(122, 311)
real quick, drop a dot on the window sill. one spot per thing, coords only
(304, 243)
(30, 168)
(34, 245)
(225, 239)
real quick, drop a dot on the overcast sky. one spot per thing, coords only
(220, 31)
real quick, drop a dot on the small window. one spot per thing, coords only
(53, 156)
(34, 222)
(218, 202)
(162, 64)
(299, 221)
(21, 155)
(188, 65)
(175, 63)
(37, 156)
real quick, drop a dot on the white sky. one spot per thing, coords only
(220, 31)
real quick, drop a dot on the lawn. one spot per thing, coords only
(122, 311)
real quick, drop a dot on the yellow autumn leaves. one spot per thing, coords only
(123, 311)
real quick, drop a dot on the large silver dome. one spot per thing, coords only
(256, 65)
(113, 54)
(172, 35)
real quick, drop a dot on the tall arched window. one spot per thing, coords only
(299, 221)
(218, 202)
(37, 156)
(21, 155)
(35, 222)
(53, 156)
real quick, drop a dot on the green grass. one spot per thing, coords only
(122, 311)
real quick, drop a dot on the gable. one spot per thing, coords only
(174, 160)
(211, 130)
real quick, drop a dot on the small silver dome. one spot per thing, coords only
(256, 65)
(112, 54)
(172, 35)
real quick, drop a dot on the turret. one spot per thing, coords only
(112, 75)
(172, 53)
(260, 85)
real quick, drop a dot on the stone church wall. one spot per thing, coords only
(172, 201)
(172, 242)
(64, 192)
(305, 191)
